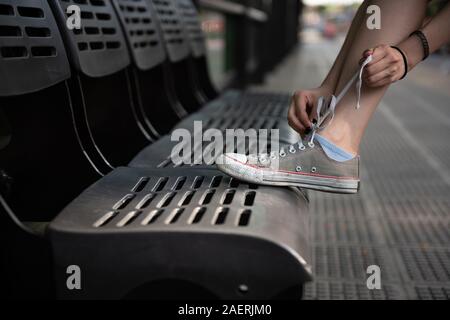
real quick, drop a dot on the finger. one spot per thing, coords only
(378, 54)
(294, 122)
(296, 125)
(384, 82)
(390, 72)
(380, 79)
(312, 113)
(311, 110)
(367, 53)
(378, 67)
(301, 103)
(299, 121)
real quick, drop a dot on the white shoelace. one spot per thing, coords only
(319, 125)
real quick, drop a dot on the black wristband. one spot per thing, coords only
(405, 61)
(425, 45)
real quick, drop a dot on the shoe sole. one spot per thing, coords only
(341, 186)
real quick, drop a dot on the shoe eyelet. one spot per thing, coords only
(302, 148)
(282, 154)
(292, 150)
(311, 144)
(273, 157)
(313, 169)
(298, 169)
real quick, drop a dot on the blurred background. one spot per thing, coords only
(400, 220)
(247, 38)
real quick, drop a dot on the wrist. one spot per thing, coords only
(404, 60)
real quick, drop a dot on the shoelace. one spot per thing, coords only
(321, 118)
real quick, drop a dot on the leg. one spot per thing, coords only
(331, 81)
(312, 167)
(398, 19)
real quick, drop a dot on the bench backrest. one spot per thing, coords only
(41, 162)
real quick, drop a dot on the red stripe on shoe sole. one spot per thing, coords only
(295, 172)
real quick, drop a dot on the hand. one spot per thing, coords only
(386, 67)
(302, 109)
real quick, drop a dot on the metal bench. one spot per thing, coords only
(136, 231)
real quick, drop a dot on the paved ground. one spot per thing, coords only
(401, 218)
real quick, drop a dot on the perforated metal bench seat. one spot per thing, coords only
(138, 226)
(159, 154)
(236, 101)
(244, 117)
(217, 116)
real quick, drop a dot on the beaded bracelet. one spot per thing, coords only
(423, 39)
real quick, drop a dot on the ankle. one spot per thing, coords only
(342, 138)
